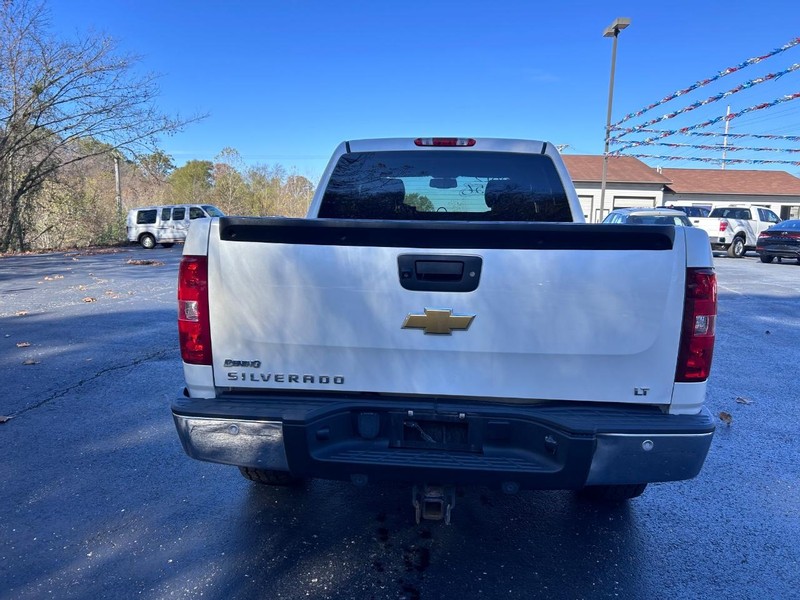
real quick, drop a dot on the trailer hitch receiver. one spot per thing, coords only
(433, 502)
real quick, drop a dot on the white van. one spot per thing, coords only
(165, 225)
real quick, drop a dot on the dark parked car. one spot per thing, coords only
(781, 241)
(647, 216)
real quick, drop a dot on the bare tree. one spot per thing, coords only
(55, 94)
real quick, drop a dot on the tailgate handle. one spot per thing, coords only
(439, 270)
(439, 273)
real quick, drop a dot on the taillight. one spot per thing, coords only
(444, 142)
(193, 323)
(699, 323)
(723, 225)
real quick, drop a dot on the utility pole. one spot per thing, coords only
(119, 184)
(725, 139)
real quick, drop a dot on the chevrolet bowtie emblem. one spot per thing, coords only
(438, 321)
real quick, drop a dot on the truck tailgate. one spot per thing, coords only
(560, 311)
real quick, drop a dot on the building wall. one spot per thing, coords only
(618, 195)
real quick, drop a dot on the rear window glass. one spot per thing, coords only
(146, 217)
(693, 211)
(178, 214)
(165, 212)
(446, 185)
(731, 213)
(658, 220)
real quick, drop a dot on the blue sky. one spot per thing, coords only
(286, 81)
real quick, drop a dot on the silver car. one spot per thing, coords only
(647, 216)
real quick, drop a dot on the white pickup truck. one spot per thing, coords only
(735, 229)
(444, 317)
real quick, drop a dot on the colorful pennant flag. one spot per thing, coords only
(698, 84)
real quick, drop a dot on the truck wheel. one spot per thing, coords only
(612, 493)
(736, 249)
(765, 258)
(147, 241)
(269, 477)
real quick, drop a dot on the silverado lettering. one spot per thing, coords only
(286, 378)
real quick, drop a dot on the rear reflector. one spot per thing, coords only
(444, 142)
(723, 225)
(194, 331)
(699, 323)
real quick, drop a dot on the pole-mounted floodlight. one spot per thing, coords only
(617, 26)
(610, 31)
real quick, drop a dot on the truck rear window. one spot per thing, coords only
(446, 185)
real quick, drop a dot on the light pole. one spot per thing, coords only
(611, 31)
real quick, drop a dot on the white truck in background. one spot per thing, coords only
(443, 317)
(735, 229)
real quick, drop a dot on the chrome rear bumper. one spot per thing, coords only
(257, 444)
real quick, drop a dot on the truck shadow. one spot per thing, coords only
(345, 542)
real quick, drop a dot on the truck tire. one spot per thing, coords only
(147, 241)
(269, 477)
(766, 258)
(737, 248)
(612, 493)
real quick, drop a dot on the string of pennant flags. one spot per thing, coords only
(683, 130)
(704, 82)
(700, 103)
(763, 136)
(721, 147)
(755, 161)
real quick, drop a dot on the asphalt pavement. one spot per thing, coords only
(98, 500)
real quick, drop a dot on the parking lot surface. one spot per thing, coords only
(98, 500)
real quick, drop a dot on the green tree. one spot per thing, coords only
(192, 182)
(231, 192)
(157, 164)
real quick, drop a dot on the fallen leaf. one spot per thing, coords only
(89, 299)
(767, 332)
(741, 400)
(144, 262)
(30, 361)
(726, 418)
(23, 344)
